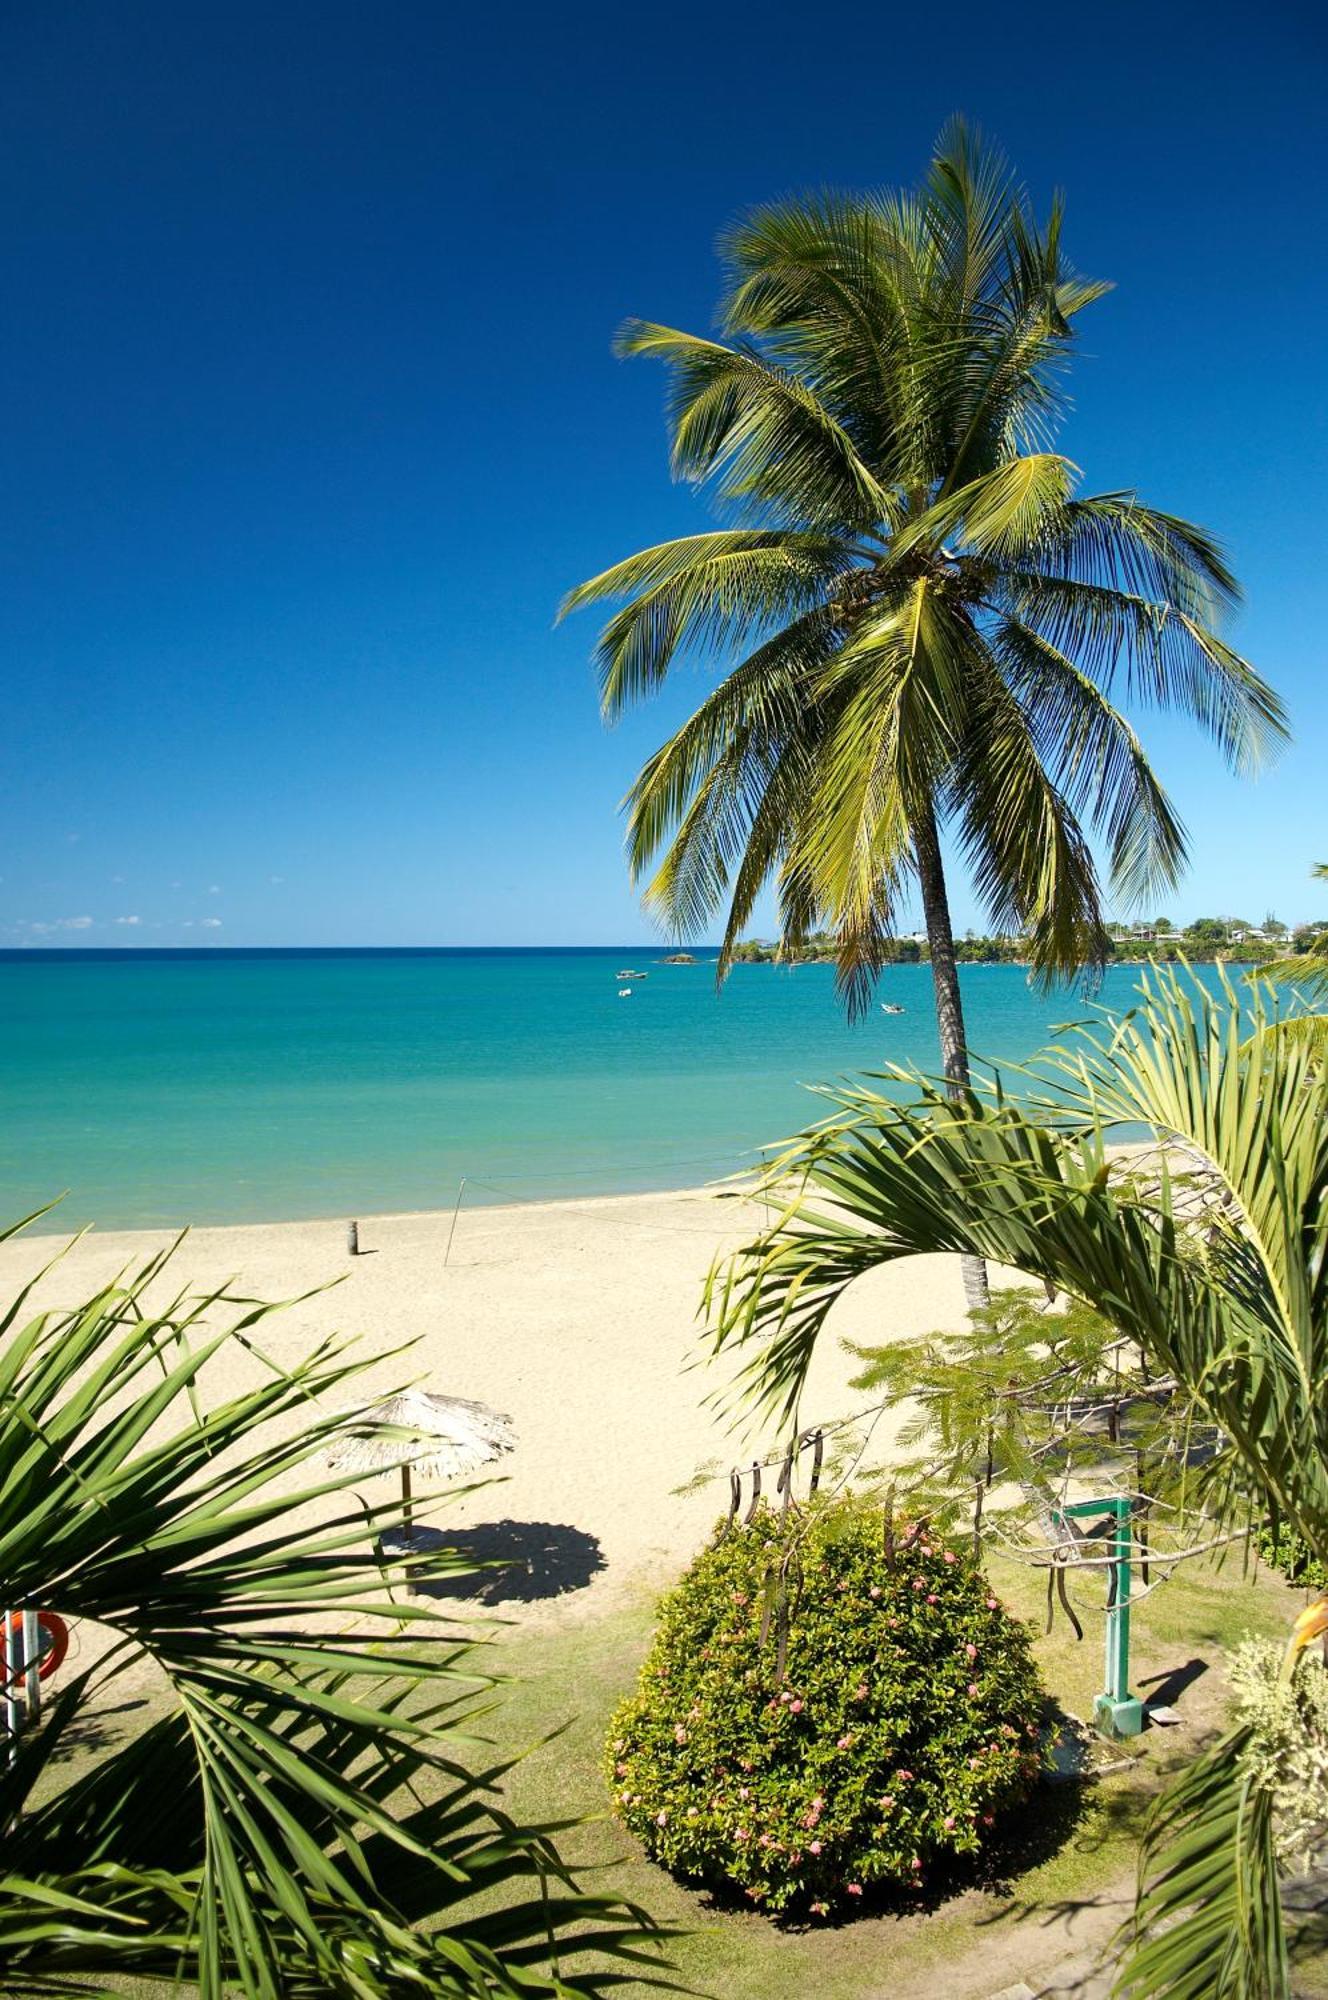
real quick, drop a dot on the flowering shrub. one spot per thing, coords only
(904, 1724)
(1287, 1753)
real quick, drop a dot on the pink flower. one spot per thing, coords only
(820, 1908)
(971, 1650)
(795, 1708)
(620, 1770)
(661, 1819)
(844, 1743)
(972, 1690)
(860, 1691)
(819, 1801)
(854, 1888)
(931, 1597)
(904, 1777)
(989, 1819)
(993, 1604)
(693, 1812)
(876, 1590)
(744, 1792)
(950, 1556)
(814, 1847)
(919, 1583)
(679, 1733)
(949, 1823)
(888, 1801)
(741, 1834)
(915, 1863)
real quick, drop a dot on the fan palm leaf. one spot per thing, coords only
(300, 1818)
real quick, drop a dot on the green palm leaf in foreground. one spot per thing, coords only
(302, 1815)
(1236, 1310)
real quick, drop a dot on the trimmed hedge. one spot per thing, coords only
(904, 1725)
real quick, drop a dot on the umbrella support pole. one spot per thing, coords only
(407, 1517)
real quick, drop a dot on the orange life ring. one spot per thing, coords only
(53, 1632)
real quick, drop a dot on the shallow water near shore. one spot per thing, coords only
(225, 1086)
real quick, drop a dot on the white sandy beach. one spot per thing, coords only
(579, 1318)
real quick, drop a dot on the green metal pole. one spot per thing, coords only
(1115, 1711)
(1118, 1623)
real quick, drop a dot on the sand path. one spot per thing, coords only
(579, 1318)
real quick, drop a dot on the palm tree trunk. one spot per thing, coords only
(949, 1004)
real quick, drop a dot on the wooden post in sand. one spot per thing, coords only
(353, 1238)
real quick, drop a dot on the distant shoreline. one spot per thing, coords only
(700, 956)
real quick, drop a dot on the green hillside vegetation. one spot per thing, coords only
(1205, 941)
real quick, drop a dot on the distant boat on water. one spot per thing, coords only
(627, 973)
(624, 992)
(891, 1007)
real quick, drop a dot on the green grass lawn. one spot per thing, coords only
(1077, 1841)
(1065, 1883)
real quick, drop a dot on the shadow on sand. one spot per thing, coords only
(517, 1562)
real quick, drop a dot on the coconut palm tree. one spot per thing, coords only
(927, 623)
(295, 1813)
(1230, 1299)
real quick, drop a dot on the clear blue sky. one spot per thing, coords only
(310, 415)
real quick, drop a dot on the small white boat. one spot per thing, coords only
(624, 992)
(891, 1007)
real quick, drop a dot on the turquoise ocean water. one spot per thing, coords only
(228, 1086)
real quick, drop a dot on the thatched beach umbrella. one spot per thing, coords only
(449, 1438)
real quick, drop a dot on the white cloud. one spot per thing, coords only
(211, 923)
(214, 888)
(129, 920)
(75, 923)
(271, 878)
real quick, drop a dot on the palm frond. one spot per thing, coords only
(1208, 1918)
(1230, 1300)
(759, 430)
(702, 591)
(299, 1820)
(1031, 866)
(1000, 513)
(1097, 763)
